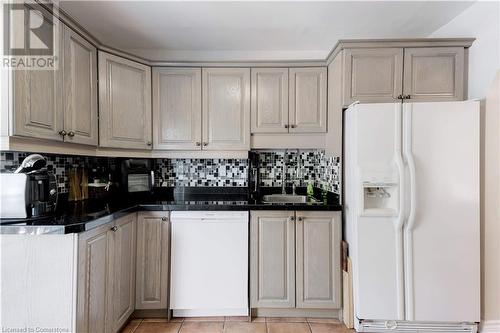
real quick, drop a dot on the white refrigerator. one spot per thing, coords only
(412, 215)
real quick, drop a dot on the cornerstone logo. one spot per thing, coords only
(30, 36)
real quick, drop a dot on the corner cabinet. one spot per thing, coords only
(124, 103)
(226, 108)
(177, 108)
(295, 259)
(420, 74)
(152, 260)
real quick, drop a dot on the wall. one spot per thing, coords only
(481, 21)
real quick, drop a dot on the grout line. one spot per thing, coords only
(309, 325)
(135, 329)
(180, 327)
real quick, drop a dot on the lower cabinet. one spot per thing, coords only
(106, 276)
(152, 260)
(295, 259)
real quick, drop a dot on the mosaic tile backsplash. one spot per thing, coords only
(302, 167)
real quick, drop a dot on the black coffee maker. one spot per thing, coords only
(41, 186)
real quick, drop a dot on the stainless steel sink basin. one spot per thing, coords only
(286, 198)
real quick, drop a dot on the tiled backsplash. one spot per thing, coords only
(201, 172)
(302, 167)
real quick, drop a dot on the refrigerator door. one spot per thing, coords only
(441, 235)
(373, 209)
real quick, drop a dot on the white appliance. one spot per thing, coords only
(412, 215)
(13, 195)
(209, 263)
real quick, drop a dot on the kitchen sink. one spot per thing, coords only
(286, 198)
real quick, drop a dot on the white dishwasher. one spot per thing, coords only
(209, 263)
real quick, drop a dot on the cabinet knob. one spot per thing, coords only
(286, 126)
(71, 134)
(400, 96)
(114, 228)
(407, 97)
(164, 218)
(205, 144)
(300, 219)
(149, 143)
(292, 218)
(293, 126)
(198, 144)
(62, 133)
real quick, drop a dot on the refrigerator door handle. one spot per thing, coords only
(408, 229)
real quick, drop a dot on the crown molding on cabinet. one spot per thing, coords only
(340, 45)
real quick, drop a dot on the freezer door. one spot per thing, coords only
(441, 236)
(374, 220)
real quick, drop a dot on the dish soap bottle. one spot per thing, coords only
(310, 190)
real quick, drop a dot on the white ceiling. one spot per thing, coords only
(284, 30)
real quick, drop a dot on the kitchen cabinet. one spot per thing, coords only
(373, 75)
(152, 260)
(92, 288)
(59, 104)
(37, 98)
(307, 100)
(318, 242)
(269, 106)
(434, 74)
(124, 103)
(177, 108)
(80, 89)
(226, 108)
(121, 275)
(272, 259)
(295, 259)
(420, 74)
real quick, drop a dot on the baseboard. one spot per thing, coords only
(490, 326)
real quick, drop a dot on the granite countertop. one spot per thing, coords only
(89, 214)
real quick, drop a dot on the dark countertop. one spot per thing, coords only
(86, 215)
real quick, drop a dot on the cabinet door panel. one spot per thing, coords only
(308, 100)
(272, 266)
(177, 108)
(122, 271)
(152, 260)
(80, 89)
(318, 259)
(37, 100)
(124, 103)
(92, 289)
(269, 105)
(226, 108)
(434, 74)
(373, 75)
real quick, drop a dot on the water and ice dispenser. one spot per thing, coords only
(380, 198)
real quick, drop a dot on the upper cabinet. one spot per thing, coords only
(289, 100)
(177, 108)
(421, 74)
(37, 98)
(80, 89)
(124, 103)
(434, 74)
(269, 100)
(307, 100)
(373, 75)
(59, 104)
(226, 108)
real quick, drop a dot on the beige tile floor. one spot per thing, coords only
(236, 325)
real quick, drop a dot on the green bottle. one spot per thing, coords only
(310, 190)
